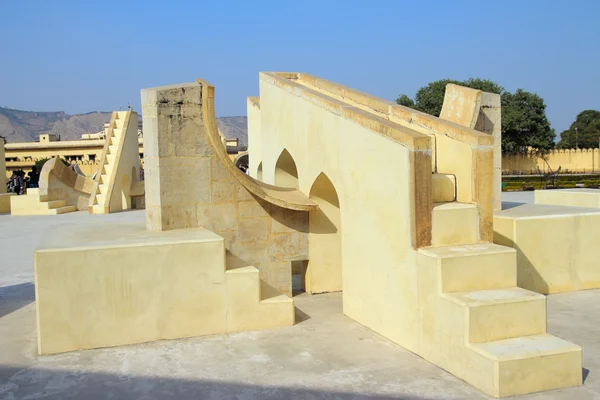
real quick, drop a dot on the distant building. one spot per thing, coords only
(85, 152)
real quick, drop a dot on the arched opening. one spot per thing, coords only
(259, 172)
(125, 190)
(324, 270)
(286, 174)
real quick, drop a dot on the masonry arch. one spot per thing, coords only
(259, 172)
(324, 268)
(286, 173)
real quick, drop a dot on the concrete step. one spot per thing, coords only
(104, 179)
(252, 301)
(110, 159)
(478, 266)
(107, 169)
(501, 313)
(98, 209)
(103, 188)
(100, 198)
(270, 295)
(443, 188)
(36, 192)
(62, 210)
(112, 149)
(454, 223)
(531, 364)
(55, 204)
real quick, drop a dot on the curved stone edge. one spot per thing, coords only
(288, 198)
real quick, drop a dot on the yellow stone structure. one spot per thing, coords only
(120, 169)
(555, 238)
(557, 246)
(408, 200)
(122, 283)
(116, 185)
(390, 205)
(568, 160)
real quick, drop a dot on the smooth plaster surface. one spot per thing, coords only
(557, 246)
(326, 355)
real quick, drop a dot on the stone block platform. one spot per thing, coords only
(118, 284)
(569, 197)
(557, 246)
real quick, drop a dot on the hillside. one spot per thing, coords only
(26, 126)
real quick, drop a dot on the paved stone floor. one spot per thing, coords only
(324, 356)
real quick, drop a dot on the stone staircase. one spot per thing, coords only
(254, 304)
(33, 203)
(477, 323)
(99, 200)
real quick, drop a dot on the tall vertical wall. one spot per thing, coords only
(188, 185)
(254, 135)
(489, 120)
(480, 111)
(377, 255)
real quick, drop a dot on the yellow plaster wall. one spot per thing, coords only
(569, 160)
(127, 166)
(254, 136)
(190, 184)
(378, 261)
(119, 285)
(556, 246)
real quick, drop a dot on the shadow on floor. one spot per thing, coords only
(300, 315)
(77, 384)
(15, 296)
(507, 205)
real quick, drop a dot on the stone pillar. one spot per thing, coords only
(490, 121)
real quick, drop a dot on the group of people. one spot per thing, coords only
(244, 169)
(18, 182)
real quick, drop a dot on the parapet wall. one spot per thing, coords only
(569, 160)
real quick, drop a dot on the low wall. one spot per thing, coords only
(556, 246)
(569, 160)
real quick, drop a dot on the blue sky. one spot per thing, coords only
(81, 56)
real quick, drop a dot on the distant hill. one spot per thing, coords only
(26, 126)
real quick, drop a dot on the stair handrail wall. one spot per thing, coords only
(473, 168)
(113, 176)
(102, 160)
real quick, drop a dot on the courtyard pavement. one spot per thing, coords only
(324, 356)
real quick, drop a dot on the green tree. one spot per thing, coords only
(40, 163)
(404, 100)
(524, 123)
(587, 134)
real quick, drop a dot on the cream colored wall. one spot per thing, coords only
(120, 285)
(254, 141)
(570, 160)
(555, 253)
(490, 121)
(378, 260)
(324, 269)
(128, 166)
